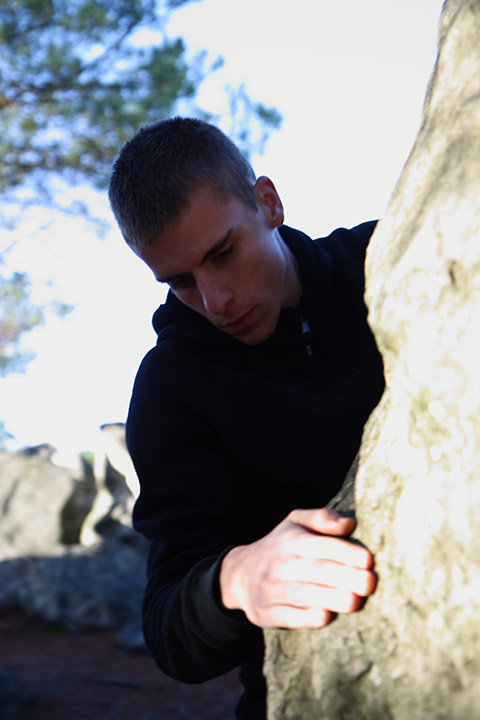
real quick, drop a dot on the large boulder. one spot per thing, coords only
(414, 651)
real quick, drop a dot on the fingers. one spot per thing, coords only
(295, 618)
(307, 597)
(329, 574)
(320, 538)
(345, 552)
(323, 520)
(326, 603)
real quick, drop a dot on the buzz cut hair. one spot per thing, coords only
(157, 170)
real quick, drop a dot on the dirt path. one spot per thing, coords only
(86, 676)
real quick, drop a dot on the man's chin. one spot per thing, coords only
(256, 336)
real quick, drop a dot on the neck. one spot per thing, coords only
(293, 285)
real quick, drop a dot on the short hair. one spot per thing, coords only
(159, 167)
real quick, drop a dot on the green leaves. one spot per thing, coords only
(75, 86)
(18, 314)
(78, 78)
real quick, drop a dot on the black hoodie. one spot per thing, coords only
(227, 438)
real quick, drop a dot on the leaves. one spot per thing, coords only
(78, 78)
(74, 86)
(18, 314)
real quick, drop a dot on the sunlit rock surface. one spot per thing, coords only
(414, 651)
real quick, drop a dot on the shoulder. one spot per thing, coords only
(347, 247)
(354, 240)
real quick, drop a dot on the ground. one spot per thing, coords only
(86, 676)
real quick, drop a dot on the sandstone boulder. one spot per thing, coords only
(413, 652)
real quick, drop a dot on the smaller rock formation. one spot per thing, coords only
(42, 505)
(46, 511)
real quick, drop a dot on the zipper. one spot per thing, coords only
(307, 335)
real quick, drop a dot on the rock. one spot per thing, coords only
(47, 501)
(42, 506)
(117, 488)
(131, 638)
(12, 582)
(413, 651)
(45, 509)
(13, 696)
(83, 588)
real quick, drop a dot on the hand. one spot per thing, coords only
(300, 574)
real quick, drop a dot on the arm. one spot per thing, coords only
(188, 508)
(299, 574)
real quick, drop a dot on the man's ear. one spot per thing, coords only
(268, 201)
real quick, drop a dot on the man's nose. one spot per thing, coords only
(215, 297)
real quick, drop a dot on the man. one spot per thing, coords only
(247, 414)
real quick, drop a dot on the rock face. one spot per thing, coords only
(414, 651)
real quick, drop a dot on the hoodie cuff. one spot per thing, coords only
(229, 628)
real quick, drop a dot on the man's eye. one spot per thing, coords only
(224, 253)
(181, 283)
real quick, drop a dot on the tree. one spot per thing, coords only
(78, 78)
(18, 314)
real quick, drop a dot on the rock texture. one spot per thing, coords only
(42, 505)
(68, 552)
(414, 651)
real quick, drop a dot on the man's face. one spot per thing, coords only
(228, 262)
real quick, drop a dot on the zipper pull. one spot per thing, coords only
(307, 335)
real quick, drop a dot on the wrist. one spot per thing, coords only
(229, 579)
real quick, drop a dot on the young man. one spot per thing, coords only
(247, 414)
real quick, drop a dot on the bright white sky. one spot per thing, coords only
(349, 78)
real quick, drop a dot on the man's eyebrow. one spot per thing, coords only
(218, 247)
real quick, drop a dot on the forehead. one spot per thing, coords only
(208, 219)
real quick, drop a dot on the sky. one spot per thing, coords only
(348, 77)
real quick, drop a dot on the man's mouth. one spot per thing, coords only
(240, 324)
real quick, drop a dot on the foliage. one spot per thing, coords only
(18, 314)
(78, 78)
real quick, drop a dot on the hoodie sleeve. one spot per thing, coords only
(189, 510)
